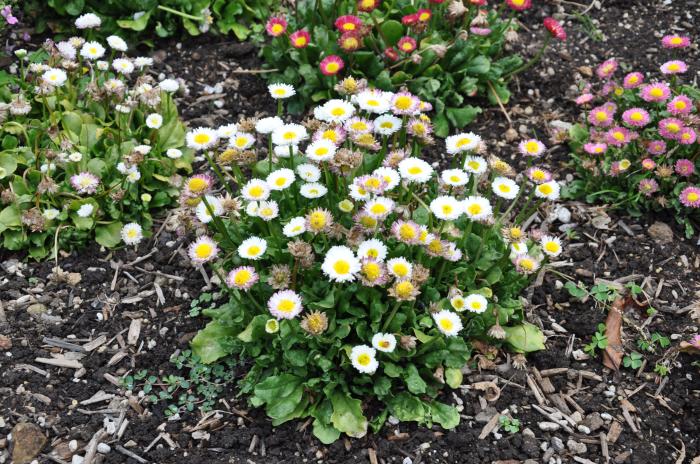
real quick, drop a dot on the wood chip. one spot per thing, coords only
(128, 453)
(490, 425)
(96, 343)
(58, 343)
(614, 432)
(97, 398)
(134, 331)
(60, 362)
(372, 455)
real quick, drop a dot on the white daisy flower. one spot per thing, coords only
(256, 190)
(372, 248)
(309, 172)
(154, 121)
(227, 131)
(373, 101)
(251, 209)
(102, 65)
(548, 190)
(379, 207)
(476, 303)
(313, 190)
(384, 342)
(454, 177)
(50, 214)
(173, 153)
(201, 138)
(321, 150)
(75, 157)
(268, 210)
(123, 66)
(289, 134)
(252, 248)
(338, 111)
(446, 208)
(55, 77)
(415, 170)
(280, 179)
(88, 21)
(447, 322)
(142, 149)
(282, 151)
(85, 210)
(132, 233)
(92, 50)
(241, 141)
(340, 264)
(66, 50)
(295, 226)
(531, 147)
(390, 176)
(518, 248)
(364, 359)
(117, 43)
(387, 124)
(268, 125)
(285, 304)
(505, 188)
(143, 61)
(206, 214)
(281, 91)
(133, 174)
(551, 246)
(169, 85)
(475, 164)
(400, 268)
(477, 208)
(113, 85)
(358, 193)
(462, 142)
(457, 302)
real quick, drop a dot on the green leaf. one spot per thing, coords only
(414, 382)
(109, 235)
(212, 342)
(453, 377)
(277, 386)
(444, 414)
(9, 217)
(479, 65)
(406, 407)
(325, 432)
(525, 338)
(460, 117)
(421, 216)
(136, 24)
(8, 164)
(391, 31)
(347, 415)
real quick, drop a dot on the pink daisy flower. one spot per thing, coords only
(519, 5)
(276, 26)
(648, 164)
(406, 44)
(608, 88)
(600, 117)
(538, 175)
(656, 92)
(690, 197)
(648, 187)
(595, 148)
(480, 31)
(670, 128)
(555, 28)
(300, 39)
(675, 41)
(85, 182)
(611, 107)
(348, 23)
(606, 69)
(404, 103)
(684, 167)
(680, 105)
(242, 278)
(585, 98)
(656, 147)
(633, 80)
(636, 117)
(687, 136)
(619, 136)
(695, 341)
(331, 65)
(674, 67)
(424, 14)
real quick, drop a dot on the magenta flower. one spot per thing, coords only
(348, 23)
(680, 105)
(619, 136)
(480, 31)
(656, 147)
(636, 117)
(695, 341)
(600, 117)
(648, 187)
(690, 197)
(595, 148)
(687, 136)
(675, 41)
(670, 128)
(648, 164)
(6, 13)
(608, 88)
(331, 65)
(538, 175)
(606, 69)
(674, 67)
(585, 98)
(276, 26)
(633, 80)
(656, 92)
(685, 167)
(407, 44)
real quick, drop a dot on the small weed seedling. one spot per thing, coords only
(633, 360)
(598, 342)
(509, 424)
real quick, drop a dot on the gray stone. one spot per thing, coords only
(557, 443)
(660, 232)
(593, 421)
(576, 447)
(548, 426)
(36, 309)
(28, 440)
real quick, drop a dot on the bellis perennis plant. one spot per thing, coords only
(444, 52)
(637, 147)
(90, 146)
(356, 270)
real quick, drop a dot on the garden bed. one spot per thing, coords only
(105, 315)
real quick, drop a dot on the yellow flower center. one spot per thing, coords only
(359, 126)
(404, 289)
(372, 271)
(349, 26)
(538, 175)
(289, 135)
(656, 92)
(256, 191)
(372, 253)
(364, 359)
(601, 116)
(552, 247)
(277, 28)
(527, 264)
(679, 105)
(545, 189)
(280, 92)
(446, 324)
(532, 147)
(474, 165)
(197, 184)
(202, 138)
(447, 209)
(386, 125)
(633, 79)
(373, 102)
(454, 179)
(673, 127)
(351, 42)
(476, 305)
(692, 196)
(474, 209)
(338, 111)
(253, 250)
(676, 40)
(407, 232)
(636, 116)
(285, 306)
(458, 303)
(505, 188)
(384, 344)
(242, 277)
(341, 267)
(131, 233)
(378, 208)
(401, 269)
(619, 136)
(463, 141)
(403, 102)
(241, 142)
(317, 220)
(415, 170)
(369, 222)
(332, 67)
(280, 181)
(435, 246)
(674, 67)
(203, 250)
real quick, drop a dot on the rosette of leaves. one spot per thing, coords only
(449, 68)
(36, 169)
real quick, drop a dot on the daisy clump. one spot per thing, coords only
(637, 146)
(95, 166)
(355, 269)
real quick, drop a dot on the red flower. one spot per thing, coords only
(424, 14)
(350, 41)
(348, 23)
(391, 53)
(331, 65)
(519, 5)
(276, 26)
(478, 2)
(300, 39)
(407, 44)
(367, 5)
(410, 20)
(555, 28)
